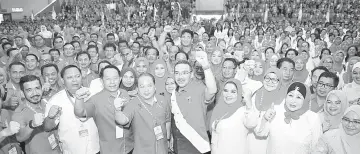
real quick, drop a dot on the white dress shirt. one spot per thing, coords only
(69, 127)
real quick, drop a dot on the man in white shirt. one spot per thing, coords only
(77, 136)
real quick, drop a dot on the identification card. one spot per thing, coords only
(52, 141)
(13, 150)
(118, 132)
(83, 132)
(158, 132)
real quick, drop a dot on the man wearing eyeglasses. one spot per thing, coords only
(327, 82)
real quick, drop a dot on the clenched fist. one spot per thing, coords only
(12, 128)
(38, 120)
(82, 93)
(54, 111)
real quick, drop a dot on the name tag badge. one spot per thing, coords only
(158, 132)
(83, 132)
(118, 132)
(52, 141)
(13, 150)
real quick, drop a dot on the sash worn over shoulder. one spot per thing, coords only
(198, 141)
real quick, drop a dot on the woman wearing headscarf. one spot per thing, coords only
(160, 74)
(339, 57)
(345, 139)
(141, 65)
(216, 60)
(301, 73)
(291, 127)
(262, 101)
(353, 89)
(231, 120)
(334, 108)
(170, 85)
(129, 81)
(328, 62)
(258, 71)
(272, 61)
(347, 76)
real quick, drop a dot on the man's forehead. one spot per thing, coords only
(182, 67)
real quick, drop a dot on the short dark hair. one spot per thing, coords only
(6, 43)
(187, 31)
(110, 34)
(28, 78)
(73, 42)
(62, 72)
(101, 74)
(94, 34)
(234, 61)
(183, 62)
(49, 65)
(53, 49)
(296, 52)
(135, 42)
(146, 51)
(75, 37)
(9, 50)
(282, 60)
(30, 54)
(57, 37)
(101, 62)
(68, 44)
(319, 68)
(123, 41)
(111, 45)
(181, 52)
(16, 63)
(82, 53)
(147, 74)
(335, 78)
(93, 46)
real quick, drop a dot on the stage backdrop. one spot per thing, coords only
(209, 7)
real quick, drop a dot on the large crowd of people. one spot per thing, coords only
(147, 77)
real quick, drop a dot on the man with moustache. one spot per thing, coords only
(189, 105)
(113, 138)
(77, 135)
(51, 84)
(148, 115)
(30, 116)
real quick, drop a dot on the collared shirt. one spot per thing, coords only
(38, 141)
(90, 76)
(191, 102)
(101, 107)
(69, 127)
(143, 118)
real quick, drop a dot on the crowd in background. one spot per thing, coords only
(269, 76)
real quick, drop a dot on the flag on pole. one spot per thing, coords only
(266, 15)
(155, 12)
(300, 13)
(77, 13)
(328, 15)
(180, 11)
(53, 14)
(102, 18)
(32, 15)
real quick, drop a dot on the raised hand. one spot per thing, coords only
(54, 111)
(82, 93)
(270, 113)
(47, 85)
(38, 119)
(12, 128)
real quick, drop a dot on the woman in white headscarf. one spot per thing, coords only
(345, 139)
(353, 89)
(291, 127)
(47, 35)
(334, 108)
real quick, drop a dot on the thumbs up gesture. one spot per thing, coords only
(47, 85)
(12, 128)
(38, 120)
(270, 113)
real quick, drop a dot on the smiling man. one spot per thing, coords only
(83, 61)
(32, 65)
(327, 82)
(51, 84)
(30, 116)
